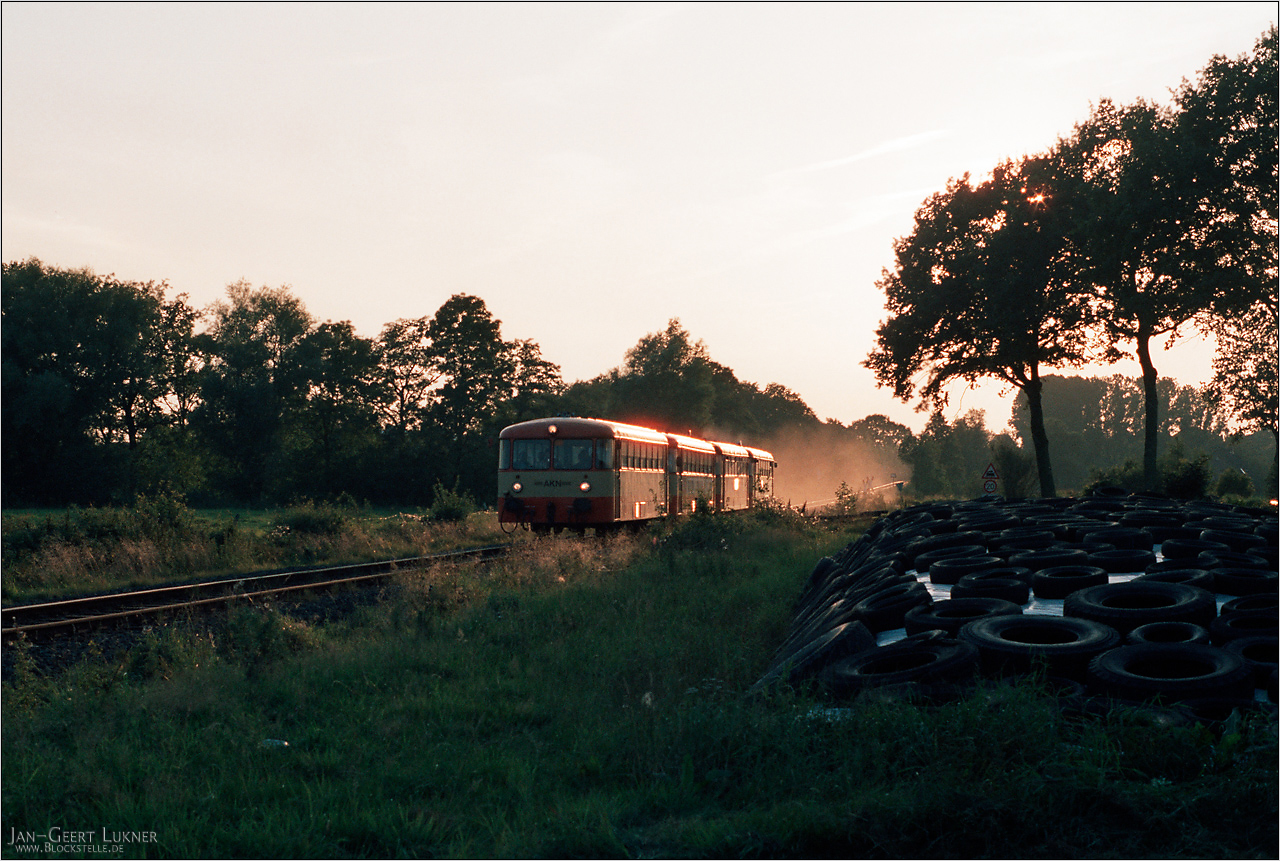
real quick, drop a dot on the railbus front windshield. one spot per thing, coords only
(530, 453)
(573, 453)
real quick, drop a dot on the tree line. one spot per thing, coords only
(1147, 218)
(113, 388)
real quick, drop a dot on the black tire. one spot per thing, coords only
(1121, 561)
(1024, 538)
(1252, 603)
(1125, 606)
(1260, 653)
(1188, 548)
(984, 585)
(936, 660)
(950, 539)
(1169, 632)
(1173, 565)
(953, 614)
(947, 572)
(1011, 572)
(1215, 712)
(1231, 522)
(1237, 625)
(925, 561)
(803, 662)
(1230, 559)
(1038, 560)
(839, 613)
(1197, 577)
(1061, 581)
(1240, 542)
(1173, 671)
(1123, 537)
(1017, 644)
(826, 568)
(844, 586)
(1244, 581)
(885, 610)
(1160, 526)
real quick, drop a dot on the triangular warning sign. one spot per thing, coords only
(991, 471)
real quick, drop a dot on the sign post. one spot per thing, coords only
(989, 480)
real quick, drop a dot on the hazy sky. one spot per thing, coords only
(590, 171)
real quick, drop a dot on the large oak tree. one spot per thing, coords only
(983, 288)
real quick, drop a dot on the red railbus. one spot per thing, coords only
(574, 473)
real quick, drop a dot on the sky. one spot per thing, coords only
(589, 171)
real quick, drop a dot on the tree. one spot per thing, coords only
(252, 382)
(1230, 112)
(947, 460)
(474, 364)
(1244, 387)
(777, 407)
(1178, 210)
(983, 288)
(344, 389)
(534, 384)
(1137, 180)
(81, 356)
(409, 371)
(666, 382)
(181, 360)
(880, 431)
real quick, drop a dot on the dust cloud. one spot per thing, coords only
(813, 463)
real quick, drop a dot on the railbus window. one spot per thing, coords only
(573, 454)
(504, 454)
(604, 454)
(530, 454)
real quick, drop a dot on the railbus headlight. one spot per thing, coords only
(517, 487)
(585, 486)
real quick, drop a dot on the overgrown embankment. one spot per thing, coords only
(51, 554)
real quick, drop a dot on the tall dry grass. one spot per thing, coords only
(79, 551)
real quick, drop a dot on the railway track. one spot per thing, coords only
(58, 617)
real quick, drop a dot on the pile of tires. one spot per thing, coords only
(1128, 597)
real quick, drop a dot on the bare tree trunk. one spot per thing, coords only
(1039, 439)
(1151, 402)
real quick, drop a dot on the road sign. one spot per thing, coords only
(991, 472)
(989, 486)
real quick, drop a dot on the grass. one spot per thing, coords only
(584, 698)
(53, 554)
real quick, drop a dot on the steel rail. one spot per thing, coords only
(96, 609)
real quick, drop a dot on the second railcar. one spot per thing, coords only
(577, 473)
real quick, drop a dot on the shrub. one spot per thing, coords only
(450, 505)
(1184, 478)
(1127, 475)
(1234, 482)
(1016, 468)
(1180, 477)
(312, 518)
